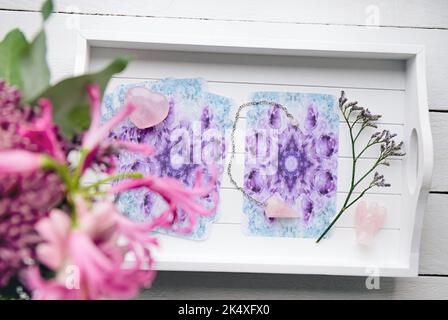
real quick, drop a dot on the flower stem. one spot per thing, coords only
(388, 148)
(330, 225)
(341, 212)
(354, 160)
(358, 197)
(78, 171)
(353, 184)
(61, 170)
(368, 172)
(124, 175)
(370, 144)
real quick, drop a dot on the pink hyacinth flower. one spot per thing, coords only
(20, 161)
(89, 260)
(42, 132)
(26, 193)
(368, 221)
(177, 195)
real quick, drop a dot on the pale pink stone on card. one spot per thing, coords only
(368, 221)
(151, 107)
(277, 208)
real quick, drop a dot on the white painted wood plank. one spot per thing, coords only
(226, 244)
(231, 208)
(392, 111)
(393, 174)
(417, 13)
(433, 251)
(439, 127)
(345, 147)
(434, 260)
(259, 69)
(434, 256)
(62, 56)
(221, 286)
(388, 103)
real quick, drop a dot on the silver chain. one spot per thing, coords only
(232, 139)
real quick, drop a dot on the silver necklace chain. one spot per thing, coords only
(232, 140)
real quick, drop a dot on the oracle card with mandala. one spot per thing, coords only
(191, 137)
(293, 163)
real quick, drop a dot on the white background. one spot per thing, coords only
(401, 21)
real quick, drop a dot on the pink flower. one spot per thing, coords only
(91, 249)
(23, 200)
(368, 221)
(97, 132)
(42, 132)
(177, 195)
(96, 141)
(20, 161)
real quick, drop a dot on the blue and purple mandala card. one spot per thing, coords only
(192, 135)
(294, 161)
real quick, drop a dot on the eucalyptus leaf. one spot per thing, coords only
(33, 68)
(10, 48)
(71, 111)
(47, 9)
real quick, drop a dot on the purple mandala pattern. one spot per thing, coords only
(192, 136)
(299, 163)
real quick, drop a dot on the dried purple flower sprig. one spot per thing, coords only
(363, 119)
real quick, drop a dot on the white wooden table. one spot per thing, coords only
(400, 21)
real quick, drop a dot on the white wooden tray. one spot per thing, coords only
(388, 79)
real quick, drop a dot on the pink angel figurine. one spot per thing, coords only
(368, 221)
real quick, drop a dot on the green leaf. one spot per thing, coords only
(47, 9)
(24, 64)
(10, 48)
(71, 110)
(33, 67)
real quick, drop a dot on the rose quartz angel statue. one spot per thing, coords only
(368, 221)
